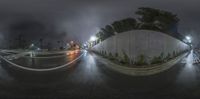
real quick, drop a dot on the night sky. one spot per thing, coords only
(79, 19)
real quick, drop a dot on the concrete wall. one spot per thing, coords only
(141, 42)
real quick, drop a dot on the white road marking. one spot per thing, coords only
(41, 70)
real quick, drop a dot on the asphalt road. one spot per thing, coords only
(88, 78)
(45, 61)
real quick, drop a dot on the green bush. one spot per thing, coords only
(110, 56)
(161, 55)
(158, 60)
(101, 52)
(141, 60)
(179, 53)
(174, 54)
(105, 53)
(168, 57)
(116, 55)
(124, 59)
(131, 62)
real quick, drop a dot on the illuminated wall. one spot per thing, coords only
(141, 42)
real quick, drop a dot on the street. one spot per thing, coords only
(88, 78)
(100, 49)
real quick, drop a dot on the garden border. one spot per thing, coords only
(150, 70)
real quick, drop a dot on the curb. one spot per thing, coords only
(13, 65)
(140, 71)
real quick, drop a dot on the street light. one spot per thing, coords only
(38, 49)
(188, 39)
(93, 38)
(32, 45)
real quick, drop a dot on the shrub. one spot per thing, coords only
(141, 60)
(174, 53)
(161, 55)
(124, 58)
(179, 53)
(159, 59)
(116, 54)
(131, 62)
(110, 56)
(101, 52)
(105, 53)
(156, 60)
(168, 57)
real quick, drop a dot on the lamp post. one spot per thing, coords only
(189, 40)
(93, 40)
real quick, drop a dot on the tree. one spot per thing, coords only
(117, 26)
(99, 36)
(124, 25)
(103, 34)
(147, 15)
(109, 30)
(128, 24)
(156, 19)
(168, 21)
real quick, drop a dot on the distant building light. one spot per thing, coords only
(32, 45)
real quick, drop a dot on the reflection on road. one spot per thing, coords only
(90, 79)
(88, 72)
(189, 74)
(45, 61)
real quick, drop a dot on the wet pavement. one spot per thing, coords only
(43, 62)
(88, 78)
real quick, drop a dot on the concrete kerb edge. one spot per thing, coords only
(40, 70)
(141, 71)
